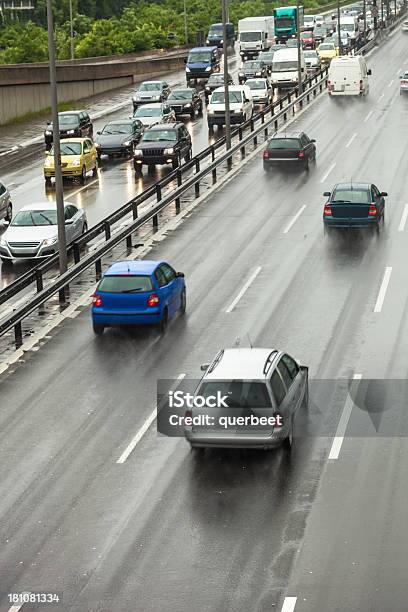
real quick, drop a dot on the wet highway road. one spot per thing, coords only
(227, 531)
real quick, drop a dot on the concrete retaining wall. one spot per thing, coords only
(25, 88)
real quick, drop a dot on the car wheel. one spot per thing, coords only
(98, 329)
(176, 163)
(83, 176)
(183, 304)
(307, 164)
(328, 231)
(164, 322)
(210, 127)
(9, 213)
(188, 156)
(84, 228)
(151, 168)
(99, 158)
(6, 262)
(95, 170)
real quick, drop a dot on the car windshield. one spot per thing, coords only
(150, 87)
(284, 143)
(216, 79)
(284, 66)
(68, 148)
(308, 19)
(181, 94)
(148, 112)
(349, 27)
(326, 47)
(277, 47)
(68, 119)
(252, 66)
(319, 18)
(129, 283)
(304, 35)
(310, 54)
(28, 218)
(250, 36)
(117, 128)
(257, 84)
(266, 56)
(351, 196)
(160, 136)
(239, 393)
(218, 97)
(320, 31)
(199, 56)
(216, 29)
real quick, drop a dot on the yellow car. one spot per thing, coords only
(78, 157)
(327, 51)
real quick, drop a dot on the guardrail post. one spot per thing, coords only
(39, 280)
(262, 117)
(155, 221)
(107, 230)
(158, 192)
(179, 182)
(129, 241)
(289, 97)
(98, 269)
(214, 175)
(281, 104)
(266, 132)
(240, 133)
(197, 185)
(77, 253)
(134, 210)
(61, 295)
(18, 335)
(212, 154)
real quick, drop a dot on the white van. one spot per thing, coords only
(349, 25)
(285, 68)
(241, 105)
(348, 76)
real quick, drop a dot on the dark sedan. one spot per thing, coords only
(216, 80)
(354, 205)
(252, 69)
(289, 149)
(185, 102)
(119, 137)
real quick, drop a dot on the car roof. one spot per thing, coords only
(47, 205)
(203, 48)
(352, 185)
(241, 363)
(230, 88)
(256, 79)
(287, 134)
(121, 121)
(78, 139)
(152, 81)
(151, 105)
(72, 112)
(133, 266)
(167, 126)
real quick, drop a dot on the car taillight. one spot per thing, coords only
(361, 85)
(301, 155)
(327, 210)
(153, 300)
(403, 82)
(372, 211)
(266, 154)
(96, 300)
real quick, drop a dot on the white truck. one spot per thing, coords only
(255, 34)
(285, 73)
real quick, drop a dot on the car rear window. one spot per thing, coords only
(240, 393)
(130, 283)
(284, 143)
(352, 196)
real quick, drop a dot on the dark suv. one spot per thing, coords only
(185, 102)
(164, 143)
(215, 80)
(252, 69)
(71, 124)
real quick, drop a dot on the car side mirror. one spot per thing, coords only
(312, 140)
(204, 367)
(101, 132)
(180, 274)
(68, 221)
(327, 194)
(383, 193)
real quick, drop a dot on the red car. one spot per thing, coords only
(308, 40)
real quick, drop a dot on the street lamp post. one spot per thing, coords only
(226, 84)
(59, 194)
(71, 30)
(338, 27)
(299, 62)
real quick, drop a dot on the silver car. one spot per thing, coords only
(6, 207)
(247, 398)
(312, 61)
(261, 90)
(33, 231)
(150, 114)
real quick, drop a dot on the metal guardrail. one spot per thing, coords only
(35, 275)
(277, 111)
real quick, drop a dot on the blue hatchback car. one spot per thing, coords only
(139, 292)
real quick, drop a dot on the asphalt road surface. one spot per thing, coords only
(323, 529)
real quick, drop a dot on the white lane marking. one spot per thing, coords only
(289, 604)
(74, 193)
(381, 97)
(344, 419)
(16, 608)
(244, 289)
(383, 289)
(404, 217)
(399, 72)
(328, 172)
(390, 83)
(351, 140)
(368, 116)
(295, 218)
(150, 419)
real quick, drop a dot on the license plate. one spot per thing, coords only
(341, 88)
